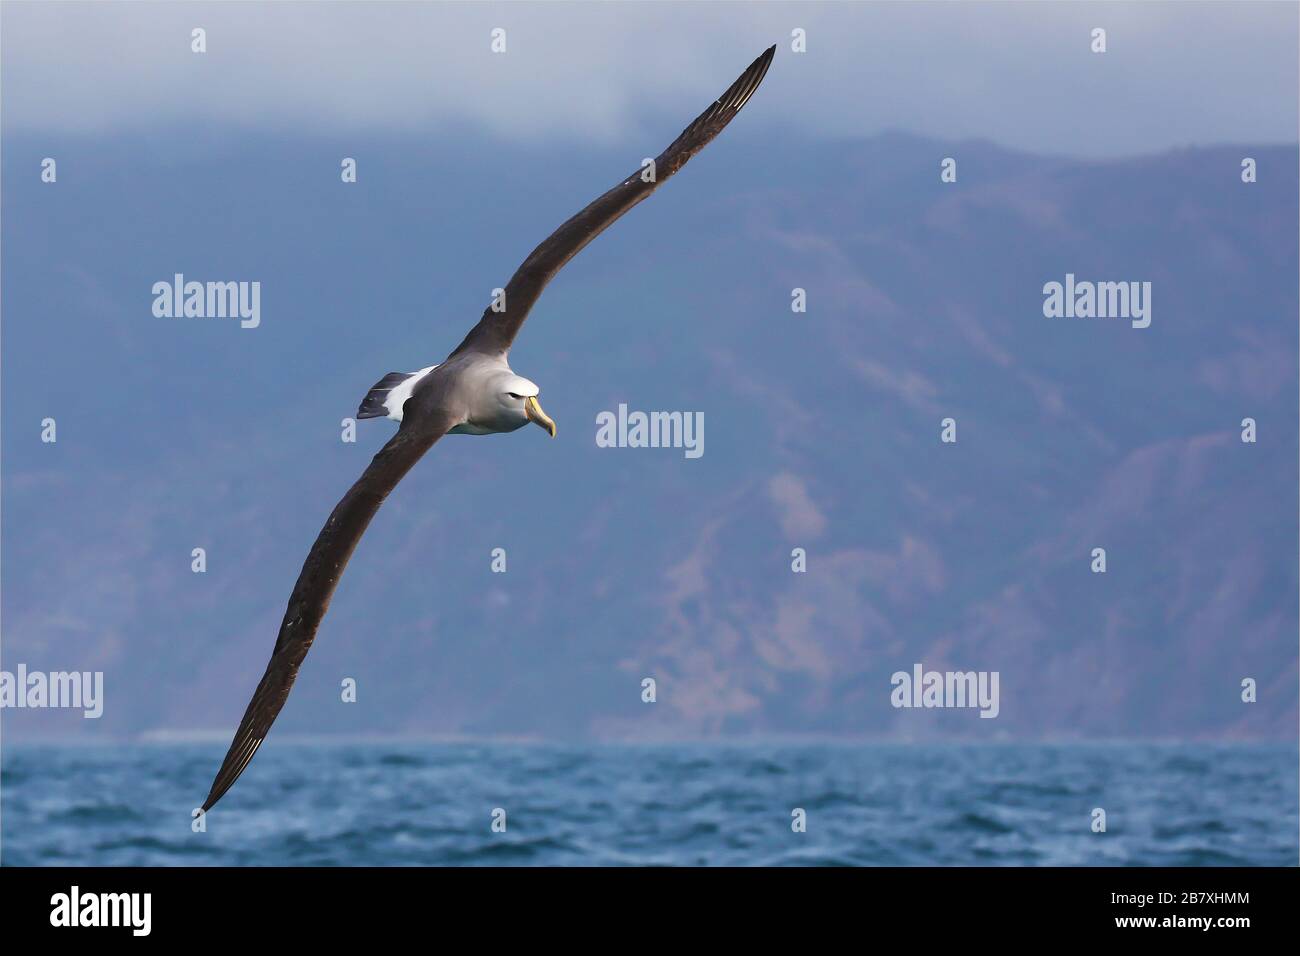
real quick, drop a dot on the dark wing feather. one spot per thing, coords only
(496, 330)
(311, 595)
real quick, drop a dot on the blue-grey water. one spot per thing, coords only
(433, 803)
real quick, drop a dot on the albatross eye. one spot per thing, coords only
(514, 395)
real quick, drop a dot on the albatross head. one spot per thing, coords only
(512, 401)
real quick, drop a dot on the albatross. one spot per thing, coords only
(471, 392)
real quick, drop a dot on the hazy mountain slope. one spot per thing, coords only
(822, 432)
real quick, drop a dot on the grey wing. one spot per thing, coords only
(316, 583)
(497, 330)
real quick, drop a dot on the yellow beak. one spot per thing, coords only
(535, 414)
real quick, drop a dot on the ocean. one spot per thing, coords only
(434, 804)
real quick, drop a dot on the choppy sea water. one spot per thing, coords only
(432, 804)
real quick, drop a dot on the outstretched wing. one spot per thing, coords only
(496, 330)
(311, 595)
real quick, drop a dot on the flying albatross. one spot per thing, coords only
(473, 392)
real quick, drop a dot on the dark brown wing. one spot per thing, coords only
(496, 330)
(311, 595)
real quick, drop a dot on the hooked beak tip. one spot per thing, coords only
(533, 409)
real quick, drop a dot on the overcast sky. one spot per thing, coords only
(1020, 74)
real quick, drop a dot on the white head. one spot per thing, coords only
(506, 401)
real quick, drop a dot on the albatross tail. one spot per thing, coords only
(390, 393)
